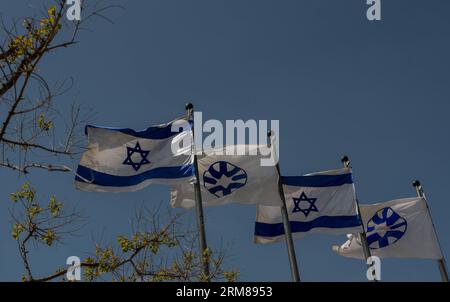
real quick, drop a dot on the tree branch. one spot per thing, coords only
(26, 145)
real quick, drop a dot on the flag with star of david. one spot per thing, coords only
(231, 179)
(323, 202)
(399, 228)
(125, 160)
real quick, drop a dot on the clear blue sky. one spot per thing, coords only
(338, 83)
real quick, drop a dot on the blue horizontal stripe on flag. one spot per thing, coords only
(333, 222)
(149, 133)
(108, 180)
(317, 180)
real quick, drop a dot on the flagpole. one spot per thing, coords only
(286, 224)
(346, 162)
(199, 204)
(441, 262)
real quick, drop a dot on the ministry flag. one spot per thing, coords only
(124, 160)
(322, 202)
(399, 228)
(231, 178)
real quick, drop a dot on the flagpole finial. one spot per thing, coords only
(189, 106)
(416, 183)
(345, 161)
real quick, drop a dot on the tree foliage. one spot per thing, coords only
(152, 252)
(28, 108)
(29, 134)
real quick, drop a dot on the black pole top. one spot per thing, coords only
(416, 183)
(345, 159)
(189, 106)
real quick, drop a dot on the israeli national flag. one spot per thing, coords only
(124, 160)
(321, 202)
(399, 228)
(231, 178)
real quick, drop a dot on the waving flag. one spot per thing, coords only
(321, 202)
(399, 228)
(231, 178)
(124, 160)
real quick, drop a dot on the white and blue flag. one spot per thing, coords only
(231, 178)
(323, 202)
(399, 228)
(124, 160)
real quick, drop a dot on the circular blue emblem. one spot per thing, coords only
(223, 178)
(386, 227)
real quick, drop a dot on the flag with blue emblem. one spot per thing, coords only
(322, 202)
(399, 228)
(124, 160)
(231, 178)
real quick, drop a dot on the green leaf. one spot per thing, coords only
(17, 230)
(43, 124)
(54, 206)
(49, 237)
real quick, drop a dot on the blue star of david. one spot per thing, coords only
(137, 149)
(311, 208)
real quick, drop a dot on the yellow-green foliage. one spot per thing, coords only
(43, 124)
(35, 36)
(34, 214)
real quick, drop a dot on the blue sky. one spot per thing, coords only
(338, 83)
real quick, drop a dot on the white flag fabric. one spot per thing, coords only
(231, 178)
(399, 228)
(124, 160)
(322, 202)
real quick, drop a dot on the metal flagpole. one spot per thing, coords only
(198, 203)
(286, 224)
(441, 262)
(346, 162)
